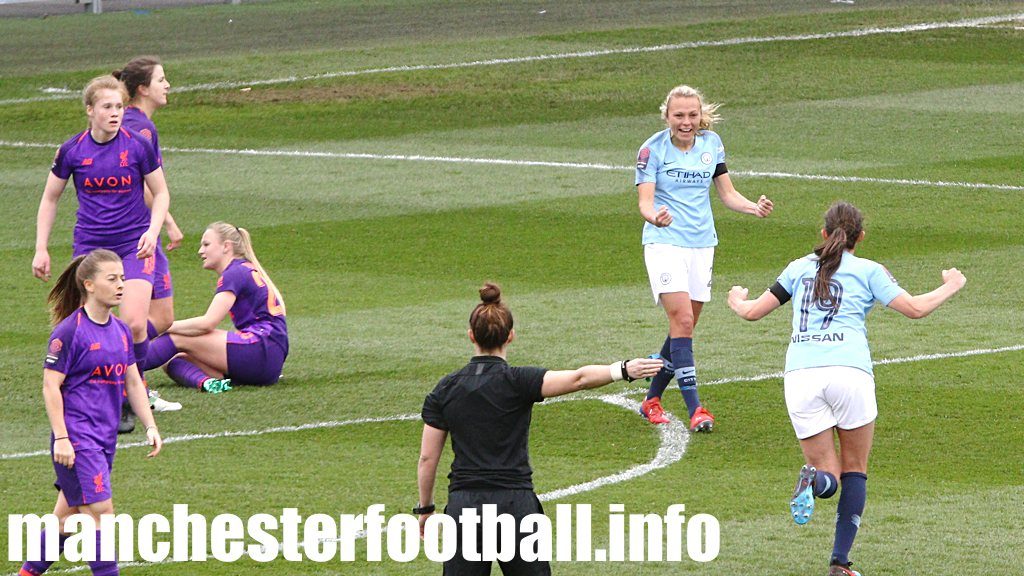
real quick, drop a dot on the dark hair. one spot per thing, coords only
(69, 291)
(843, 224)
(137, 72)
(491, 320)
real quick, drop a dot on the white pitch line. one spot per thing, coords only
(546, 164)
(407, 417)
(860, 32)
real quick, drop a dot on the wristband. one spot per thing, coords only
(615, 371)
(625, 373)
(420, 510)
(148, 428)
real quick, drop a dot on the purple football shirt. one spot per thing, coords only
(256, 310)
(137, 121)
(93, 359)
(109, 181)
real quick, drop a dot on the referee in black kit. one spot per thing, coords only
(486, 407)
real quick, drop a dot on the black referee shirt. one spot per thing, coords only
(486, 408)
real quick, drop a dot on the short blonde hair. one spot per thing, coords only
(105, 82)
(708, 112)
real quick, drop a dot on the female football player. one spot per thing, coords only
(829, 383)
(674, 172)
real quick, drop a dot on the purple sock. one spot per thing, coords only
(851, 506)
(186, 373)
(825, 485)
(661, 379)
(99, 567)
(161, 349)
(37, 567)
(140, 349)
(686, 372)
(151, 330)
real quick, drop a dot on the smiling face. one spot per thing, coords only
(106, 286)
(158, 88)
(215, 253)
(105, 113)
(683, 117)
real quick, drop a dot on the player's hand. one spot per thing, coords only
(153, 436)
(64, 453)
(737, 295)
(663, 218)
(954, 278)
(147, 245)
(41, 265)
(423, 523)
(763, 207)
(174, 235)
(643, 367)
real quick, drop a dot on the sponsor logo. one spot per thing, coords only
(107, 370)
(706, 158)
(689, 174)
(107, 182)
(828, 337)
(124, 159)
(642, 158)
(87, 162)
(665, 279)
(94, 346)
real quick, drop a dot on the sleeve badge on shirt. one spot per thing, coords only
(54, 350)
(889, 274)
(642, 158)
(147, 133)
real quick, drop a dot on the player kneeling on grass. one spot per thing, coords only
(829, 383)
(198, 354)
(89, 365)
(486, 407)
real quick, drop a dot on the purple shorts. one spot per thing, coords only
(253, 360)
(150, 269)
(162, 287)
(88, 481)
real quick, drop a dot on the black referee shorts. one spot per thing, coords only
(518, 504)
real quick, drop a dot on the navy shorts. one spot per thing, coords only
(254, 361)
(88, 481)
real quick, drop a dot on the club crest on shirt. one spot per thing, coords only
(642, 158)
(124, 159)
(705, 158)
(665, 279)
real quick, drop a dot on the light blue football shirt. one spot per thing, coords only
(682, 182)
(836, 335)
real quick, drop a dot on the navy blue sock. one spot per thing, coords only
(686, 372)
(825, 485)
(851, 506)
(662, 378)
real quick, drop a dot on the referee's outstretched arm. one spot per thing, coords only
(559, 382)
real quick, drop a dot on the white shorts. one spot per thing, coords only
(677, 269)
(821, 398)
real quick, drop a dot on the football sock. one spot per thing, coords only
(664, 376)
(140, 349)
(186, 373)
(686, 372)
(825, 485)
(151, 330)
(37, 567)
(99, 567)
(851, 506)
(161, 349)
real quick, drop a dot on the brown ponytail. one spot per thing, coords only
(68, 292)
(843, 225)
(137, 72)
(491, 320)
